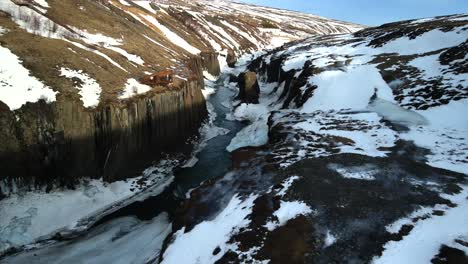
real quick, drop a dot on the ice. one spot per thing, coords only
(255, 134)
(396, 114)
(424, 240)
(123, 240)
(197, 245)
(17, 86)
(287, 211)
(89, 89)
(132, 88)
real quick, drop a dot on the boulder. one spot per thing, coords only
(231, 59)
(249, 90)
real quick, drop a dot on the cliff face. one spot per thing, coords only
(63, 141)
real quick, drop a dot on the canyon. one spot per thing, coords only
(221, 132)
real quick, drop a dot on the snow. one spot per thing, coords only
(330, 239)
(27, 217)
(146, 5)
(121, 241)
(125, 3)
(425, 239)
(131, 57)
(89, 90)
(396, 114)
(365, 172)
(173, 37)
(34, 22)
(286, 185)
(254, 135)
(287, 211)
(98, 53)
(17, 86)
(347, 90)
(132, 88)
(427, 42)
(43, 3)
(444, 134)
(3, 31)
(367, 140)
(197, 245)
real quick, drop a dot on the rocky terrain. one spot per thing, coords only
(355, 152)
(87, 84)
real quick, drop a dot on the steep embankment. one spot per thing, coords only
(356, 152)
(103, 88)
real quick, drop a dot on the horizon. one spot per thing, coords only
(368, 12)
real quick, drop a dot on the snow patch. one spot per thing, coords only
(197, 245)
(89, 89)
(173, 37)
(132, 88)
(17, 86)
(424, 240)
(286, 212)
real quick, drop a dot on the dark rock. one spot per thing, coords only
(210, 62)
(249, 89)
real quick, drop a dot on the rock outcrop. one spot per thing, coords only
(231, 59)
(249, 89)
(210, 62)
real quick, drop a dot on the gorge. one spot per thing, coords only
(221, 132)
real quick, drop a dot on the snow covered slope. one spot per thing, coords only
(113, 41)
(367, 134)
(361, 93)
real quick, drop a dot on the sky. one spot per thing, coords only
(371, 12)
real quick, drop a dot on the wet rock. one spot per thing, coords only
(249, 90)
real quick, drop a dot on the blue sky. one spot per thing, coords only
(371, 12)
